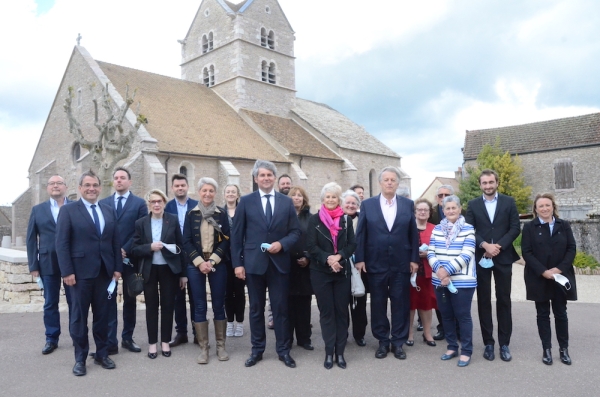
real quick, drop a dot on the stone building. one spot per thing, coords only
(430, 192)
(235, 102)
(559, 156)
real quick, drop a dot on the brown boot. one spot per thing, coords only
(202, 335)
(220, 330)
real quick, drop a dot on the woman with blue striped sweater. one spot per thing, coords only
(451, 255)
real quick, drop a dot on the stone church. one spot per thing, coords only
(235, 102)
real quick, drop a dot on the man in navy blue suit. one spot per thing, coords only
(180, 206)
(41, 254)
(89, 257)
(265, 216)
(128, 208)
(388, 250)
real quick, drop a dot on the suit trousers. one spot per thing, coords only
(51, 299)
(129, 313)
(160, 275)
(85, 293)
(218, 284)
(278, 285)
(235, 297)
(456, 314)
(299, 318)
(333, 296)
(503, 282)
(181, 323)
(561, 321)
(394, 286)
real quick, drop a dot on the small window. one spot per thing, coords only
(210, 41)
(272, 73)
(183, 170)
(268, 9)
(208, 76)
(206, 12)
(76, 152)
(204, 44)
(265, 71)
(263, 37)
(79, 98)
(564, 177)
(268, 72)
(271, 40)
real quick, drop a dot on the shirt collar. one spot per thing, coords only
(551, 223)
(490, 201)
(87, 203)
(383, 200)
(125, 196)
(53, 203)
(262, 194)
(187, 200)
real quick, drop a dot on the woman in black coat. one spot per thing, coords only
(549, 249)
(300, 297)
(159, 266)
(330, 241)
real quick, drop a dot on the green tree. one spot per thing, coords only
(510, 172)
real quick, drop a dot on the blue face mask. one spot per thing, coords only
(264, 247)
(486, 263)
(423, 247)
(111, 288)
(452, 288)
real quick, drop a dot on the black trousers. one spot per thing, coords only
(333, 296)
(235, 297)
(161, 277)
(561, 321)
(503, 282)
(359, 311)
(299, 316)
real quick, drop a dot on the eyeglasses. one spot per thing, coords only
(154, 202)
(89, 185)
(422, 209)
(442, 195)
(56, 183)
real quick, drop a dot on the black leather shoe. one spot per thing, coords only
(361, 342)
(111, 351)
(429, 342)
(439, 336)
(505, 353)
(410, 343)
(307, 346)
(49, 347)
(488, 353)
(382, 351)
(328, 364)
(152, 356)
(105, 362)
(79, 369)
(288, 360)
(547, 357)
(341, 362)
(564, 356)
(131, 346)
(253, 359)
(398, 352)
(419, 326)
(166, 353)
(178, 340)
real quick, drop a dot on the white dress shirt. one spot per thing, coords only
(490, 206)
(88, 206)
(389, 208)
(263, 200)
(125, 197)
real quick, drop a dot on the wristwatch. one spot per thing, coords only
(212, 262)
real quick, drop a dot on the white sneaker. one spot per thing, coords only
(239, 330)
(229, 331)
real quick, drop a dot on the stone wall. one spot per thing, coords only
(587, 235)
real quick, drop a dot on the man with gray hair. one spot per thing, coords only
(437, 214)
(265, 228)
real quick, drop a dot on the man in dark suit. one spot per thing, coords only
(265, 216)
(388, 250)
(41, 254)
(496, 221)
(128, 208)
(89, 257)
(180, 206)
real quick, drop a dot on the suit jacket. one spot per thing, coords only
(320, 244)
(383, 250)
(250, 230)
(504, 230)
(41, 240)
(135, 208)
(171, 206)
(543, 251)
(79, 249)
(142, 240)
(435, 217)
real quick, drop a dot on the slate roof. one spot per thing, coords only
(292, 136)
(189, 118)
(570, 132)
(341, 130)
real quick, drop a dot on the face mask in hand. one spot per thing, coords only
(562, 280)
(264, 247)
(452, 288)
(486, 263)
(111, 288)
(172, 247)
(413, 281)
(423, 247)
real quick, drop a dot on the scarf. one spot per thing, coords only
(207, 214)
(451, 230)
(331, 220)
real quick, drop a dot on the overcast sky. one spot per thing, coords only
(414, 74)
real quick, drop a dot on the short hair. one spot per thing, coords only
(447, 187)
(267, 165)
(237, 188)
(350, 193)
(424, 200)
(207, 181)
(390, 168)
(300, 190)
(489, 172)
(56, 175)
(403, 191)
(90, 173)
(548, 196)
(284, 176)
(122, 169)
(450, 199)
(157, 192)
(179, 177)
(332, 187)
(357, 186)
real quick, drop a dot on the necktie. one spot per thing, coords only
(268, 209)
(96, 220)
(119, 206)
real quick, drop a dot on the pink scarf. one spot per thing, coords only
(331, 219)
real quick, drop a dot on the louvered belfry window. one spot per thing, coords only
(564, 177)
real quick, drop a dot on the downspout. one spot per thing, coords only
(167, 169)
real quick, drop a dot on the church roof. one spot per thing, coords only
(570, 132)
(338, 128)
(236, 7)
(189, 118)
(292, 136)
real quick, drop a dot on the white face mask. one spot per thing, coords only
(486, 263)
(562, 280)
(111, 288)
(173, 248)
(413, 281)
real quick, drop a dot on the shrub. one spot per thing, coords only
(583, 260)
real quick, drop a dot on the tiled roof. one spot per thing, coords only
(341, 130)
(292, 136)
(187, 117)
(541, 136)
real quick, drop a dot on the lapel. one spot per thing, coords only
(378, 210)
(258, 200)
(86, 215)
(148, 229)
(48, 211)
(398, 213)
(108, 216)
(125, 207)
(166, 225)
(498, 204)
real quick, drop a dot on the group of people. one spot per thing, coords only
(417, 256)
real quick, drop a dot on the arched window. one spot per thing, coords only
(204, 44)
(263, 37)
(271, 40)
(372, 182)
(183, 170)
(76, 152)
(210, 41)
(265, 70)
(208, 76)
(272, 73)
(268, 72)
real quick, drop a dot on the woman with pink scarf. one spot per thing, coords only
(330, 242)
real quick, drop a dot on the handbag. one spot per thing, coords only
(357, 287)
(135, 283)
